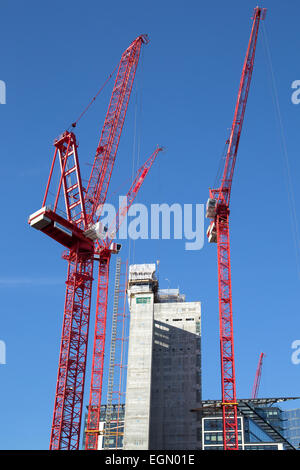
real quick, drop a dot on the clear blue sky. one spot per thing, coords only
(55, 56)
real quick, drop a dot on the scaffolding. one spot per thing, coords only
(117, 360)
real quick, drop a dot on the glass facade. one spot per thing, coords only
(212, 438)
(273, 415)
(292, 427)
(264, 446)
(250, 436)
(115, 440)
(254, 433)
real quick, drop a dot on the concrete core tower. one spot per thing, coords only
(164, 366)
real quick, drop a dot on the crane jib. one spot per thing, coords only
(110, 136)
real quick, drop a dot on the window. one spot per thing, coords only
(143, 300)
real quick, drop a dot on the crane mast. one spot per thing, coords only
(76, 232)
(94, 409)
(218, 232)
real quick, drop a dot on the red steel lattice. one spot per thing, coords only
(218, 211)
(65, 433)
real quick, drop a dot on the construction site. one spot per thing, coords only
(163, 366)
(158, 351)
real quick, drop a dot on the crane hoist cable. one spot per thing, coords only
(221, 162)
(136, 145)
(285, 155)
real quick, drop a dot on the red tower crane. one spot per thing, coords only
(77, 232)
(218, 232)
(257, 376)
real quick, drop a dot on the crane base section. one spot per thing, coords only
(60, 229)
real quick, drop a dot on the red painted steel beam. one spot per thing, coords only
(239, 113)
(65, 432)
(111, 132)
(220, 224)
(230, 428)
(93, 420)
(131, 195)
(70, 232)
(67, 413)
(257, 376)
(70, 180)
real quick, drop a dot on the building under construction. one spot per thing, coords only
(164, 351)
(164, 366)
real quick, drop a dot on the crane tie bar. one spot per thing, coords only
(74, 124)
